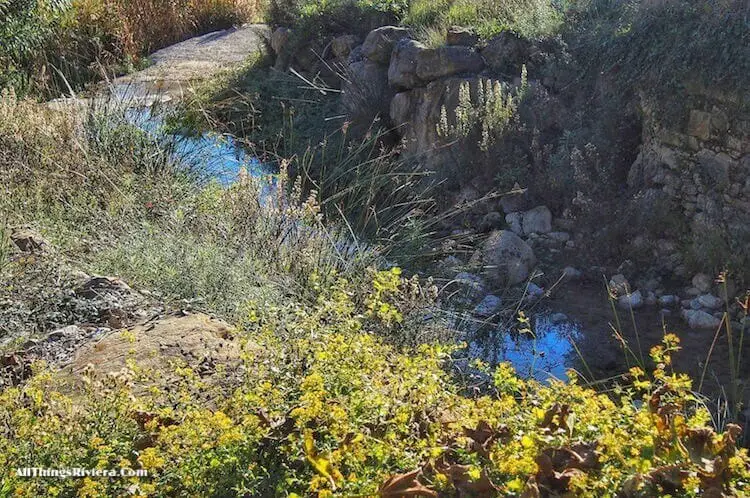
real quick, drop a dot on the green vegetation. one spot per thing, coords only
(50, 46)
(328, 408)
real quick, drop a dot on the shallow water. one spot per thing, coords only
(549, 353)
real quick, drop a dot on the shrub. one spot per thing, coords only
(329, 409)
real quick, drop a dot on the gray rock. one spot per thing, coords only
(379, 43)
(698, 319)
(571, 273)
(402, 71)
(507, 257)
(534, 221)
(710, 302)
(366, 91)
(703, 283)
(280, 40)
(692, 292)
(561, 237)
(413, 65)
(619, 285)
(507, 52)
(651, 299)
(669, 300)
(630, 301)
(342, 46)
(537, 220)
(534, 290)
(515, 222)
(489, 306)
(457, 35)
(695, 304)
(473, 283)
(447, 61)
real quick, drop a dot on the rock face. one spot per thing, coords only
(379, 43)
(366, 91)
(417, 113)
(507, 258)
(700, 161)
(413, 64)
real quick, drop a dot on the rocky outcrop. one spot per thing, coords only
(700, 161)
(413, 64)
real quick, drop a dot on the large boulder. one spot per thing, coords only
(159, 346)
(402, 72)
(380, 42)
(366, 92)
(413, 64)
(507, 258)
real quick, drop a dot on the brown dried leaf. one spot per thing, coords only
(405, 486)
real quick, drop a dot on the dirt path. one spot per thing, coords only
(178, 67)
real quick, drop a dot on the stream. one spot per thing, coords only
(546, 353)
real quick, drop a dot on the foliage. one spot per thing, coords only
(528, 18)
(49, 46)
(663, 46)
(327, 408)
(490, 112)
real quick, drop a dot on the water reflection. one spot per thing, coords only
(549, 353)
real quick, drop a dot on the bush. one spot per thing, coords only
(327, 408)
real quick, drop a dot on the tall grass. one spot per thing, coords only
(47, 44)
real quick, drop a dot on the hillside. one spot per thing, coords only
(399, 248)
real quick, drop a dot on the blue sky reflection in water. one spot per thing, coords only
(549, 354)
